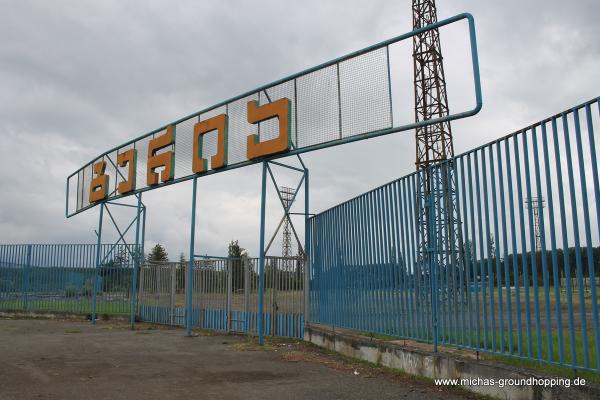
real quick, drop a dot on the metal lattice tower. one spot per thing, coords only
(537, 203)
(436, 187)
(287, 194)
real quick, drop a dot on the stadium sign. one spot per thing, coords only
(340, 101)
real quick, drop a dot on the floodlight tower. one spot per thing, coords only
(433, 142)
(537, 203)
(287, 195)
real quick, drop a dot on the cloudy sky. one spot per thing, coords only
(80, 77)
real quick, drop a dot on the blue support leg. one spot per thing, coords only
(190, 275)
(261, 264)
(136, 264)
(98, 245)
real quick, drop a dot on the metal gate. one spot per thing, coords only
(225, 294)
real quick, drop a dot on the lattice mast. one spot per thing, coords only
(537, 203)
(436, 188)
(287, 194)
(434, 142)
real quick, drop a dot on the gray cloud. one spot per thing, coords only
(79, 77)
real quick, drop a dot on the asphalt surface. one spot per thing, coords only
(53, 359)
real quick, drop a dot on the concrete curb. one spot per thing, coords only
(431, 365)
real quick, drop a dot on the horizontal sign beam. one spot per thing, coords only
(340, 101)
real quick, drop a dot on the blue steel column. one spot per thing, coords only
(143, 231)
(190, 275)
(261, 263)
(306, 251)
(136, 263)
(98, 246)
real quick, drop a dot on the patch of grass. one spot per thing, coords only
(73, 331)
(379, 336)
(251, 344)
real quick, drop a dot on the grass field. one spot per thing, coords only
(67, 306)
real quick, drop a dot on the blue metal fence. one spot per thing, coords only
(62, 277)
(520, 243)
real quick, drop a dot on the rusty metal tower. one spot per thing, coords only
(436, 187)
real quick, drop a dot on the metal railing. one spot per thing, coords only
(524, 244)
(225, 294)
(62, 278)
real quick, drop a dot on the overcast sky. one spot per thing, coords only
(80, 77)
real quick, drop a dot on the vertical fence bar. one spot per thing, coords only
(504, 224)
(473, 249)
(467, 252)
(460, 258)
(588, 236)
(415, 268)
(578, 261)
(542, 232)
(433, 264)
(307, 249)
(261, 263)
(189, 287)
(532, 239)
(136, 263)
(524, 263)
(496, 252)
(96, 278)
(490, 276)
(565, 243)
(26, 278)
(593, 283)
(555, 273)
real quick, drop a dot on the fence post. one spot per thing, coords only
(261, 262)
(274, 279)
(26, 279)
(229, 293)
(141, 290)
(247, 288)
(190, 276)
(136, 263)
(96, 278)
(432, 248)
(173, 290)
(306, 283)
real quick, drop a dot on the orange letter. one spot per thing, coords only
(281, 109)
(99, 184)
(219, 160)
(124, 158)
(166, 159)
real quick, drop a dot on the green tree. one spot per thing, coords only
(234, 252)
(180, 273)
(158, 254)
